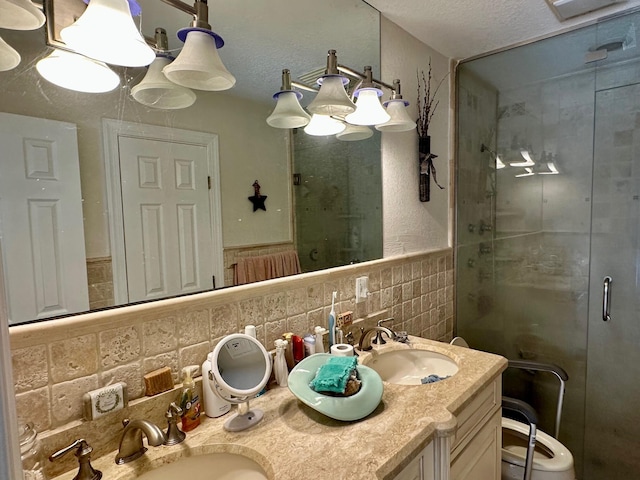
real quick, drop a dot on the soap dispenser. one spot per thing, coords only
(189, 400)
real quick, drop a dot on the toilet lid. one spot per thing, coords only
(515, 454)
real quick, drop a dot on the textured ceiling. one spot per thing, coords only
(465, 28)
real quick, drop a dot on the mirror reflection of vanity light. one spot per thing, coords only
(241, 368)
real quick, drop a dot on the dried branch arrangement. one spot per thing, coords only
(427, 102)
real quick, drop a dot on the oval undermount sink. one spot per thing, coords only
(211, 466)
(411, 366)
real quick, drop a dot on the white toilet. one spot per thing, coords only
(551, 459)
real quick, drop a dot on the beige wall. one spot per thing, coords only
(409, 225)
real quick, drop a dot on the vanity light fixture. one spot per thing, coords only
(199, 65)
(20, 15)
(323, 125)
(397, 110)
(288, 113)
(9, 57)
(553, 170)
(155, 90)
(89, 76)
(369, 110)
(332, 105)
(353, 133)
(332, 99)
(106, 32)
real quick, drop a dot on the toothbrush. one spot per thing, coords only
(332, 321)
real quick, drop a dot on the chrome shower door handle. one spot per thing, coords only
(606, 298)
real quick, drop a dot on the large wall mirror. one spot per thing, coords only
(99, 154)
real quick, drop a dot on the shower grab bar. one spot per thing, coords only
(558, 371)
(606, 298)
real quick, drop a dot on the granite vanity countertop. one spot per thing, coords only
(294, 441)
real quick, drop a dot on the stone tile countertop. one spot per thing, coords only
(293, 438)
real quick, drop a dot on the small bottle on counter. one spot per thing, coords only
(309, 345)
(189, 400)
(319, 331)
(31, 453)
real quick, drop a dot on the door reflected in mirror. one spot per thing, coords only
(338, 179)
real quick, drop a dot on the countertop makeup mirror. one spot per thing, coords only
(241, 368)
(237, 147)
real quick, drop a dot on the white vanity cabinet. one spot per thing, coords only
(421, 468)
(476, 445)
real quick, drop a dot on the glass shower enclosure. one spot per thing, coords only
(548, 230)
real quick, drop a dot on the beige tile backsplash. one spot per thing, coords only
(56, 362)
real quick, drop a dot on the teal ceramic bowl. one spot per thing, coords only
(346, 409)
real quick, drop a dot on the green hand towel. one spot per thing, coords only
(334, 375)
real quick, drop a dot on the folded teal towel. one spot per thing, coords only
(334, 375)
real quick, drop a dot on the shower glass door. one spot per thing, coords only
(535, 243)
(612, 435)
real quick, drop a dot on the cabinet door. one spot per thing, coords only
(421, 468)
(480, 458)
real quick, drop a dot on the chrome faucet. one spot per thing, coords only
(131, 446)
(379, 340)
(365, 342)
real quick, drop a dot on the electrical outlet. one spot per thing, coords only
(362, 289)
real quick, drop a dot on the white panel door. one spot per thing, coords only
(167, 218)
(41, 226)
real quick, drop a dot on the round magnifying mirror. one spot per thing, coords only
(241, 367)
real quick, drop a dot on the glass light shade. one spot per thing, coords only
(332, 99)
(106, 32)
(553, 170)
(75, 72)
(9, 58)
(321, 125)
(20, 15)
(288, 112)
(353, 133)
(400, 120)
(529, 172)
(528, 160)
(499, 163)
(369, 110)
(156, 91)
(199, 65)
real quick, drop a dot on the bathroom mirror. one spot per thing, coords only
(241, 368)
(239, 148)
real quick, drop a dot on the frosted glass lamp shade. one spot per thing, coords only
(9, 58)
(353, 133)
(322, 125)
(288, 112)
(199, 65)
(75, 72)
(20, 15)
(156, 91)
(106, 32)
(332, 99)
(369, 109)
(400, 120)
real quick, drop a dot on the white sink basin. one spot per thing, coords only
(211, 466)
(410, 366)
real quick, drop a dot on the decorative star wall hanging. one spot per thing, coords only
(257, 199)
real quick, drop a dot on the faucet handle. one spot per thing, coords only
(174, 434)
(83, 452)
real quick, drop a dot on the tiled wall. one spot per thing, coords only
(56, 362)
(100, 280)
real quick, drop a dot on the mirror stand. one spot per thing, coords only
(244, 418)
